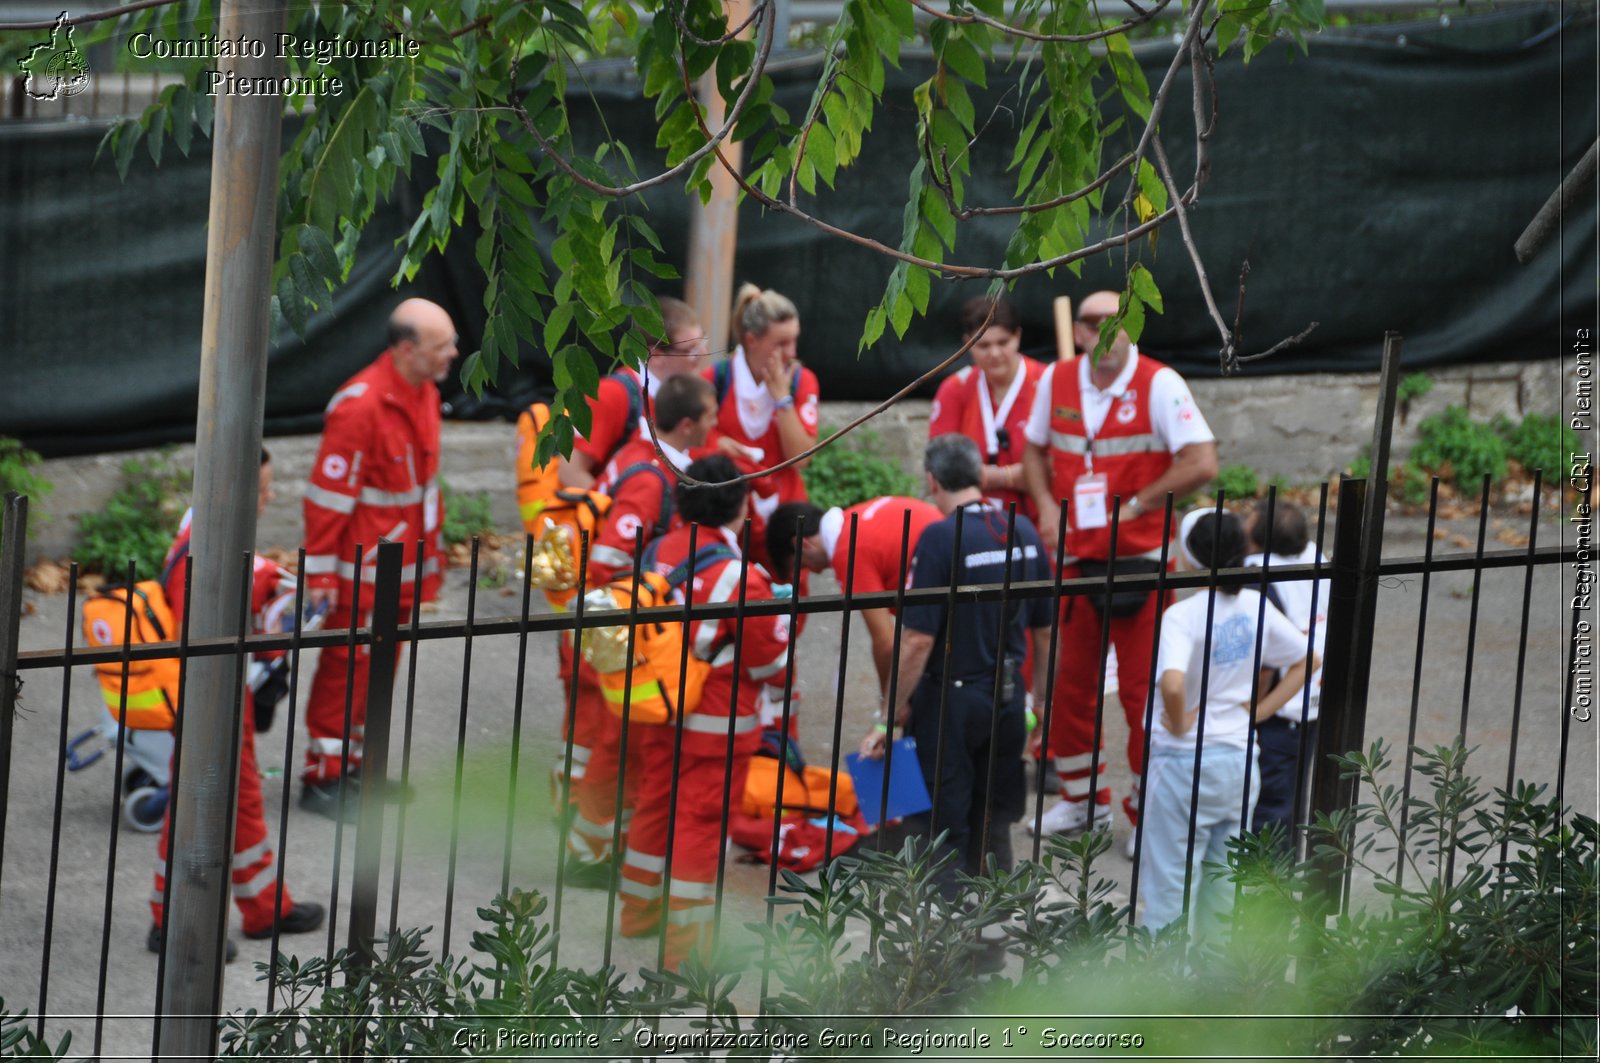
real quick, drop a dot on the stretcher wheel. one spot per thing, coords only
(145, 807)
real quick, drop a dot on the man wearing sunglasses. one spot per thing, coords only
(1111, 433)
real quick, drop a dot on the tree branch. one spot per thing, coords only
(1044, 38)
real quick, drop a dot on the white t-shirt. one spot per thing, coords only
(1296, 599)
(1233, 656)
(1175, 417)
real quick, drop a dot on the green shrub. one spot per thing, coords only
(465, 515)
(17, 473)
(1541, 441)
(1413, 386)
(1462, 952)
(1454, 445)
(848, 472)
(1237, 482)
(138, 521)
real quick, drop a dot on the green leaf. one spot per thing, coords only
(1144, 286)
(555, 327)
(820, 152)
(318, 249)
(183, 118)
(962, 58)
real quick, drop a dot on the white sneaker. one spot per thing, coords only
(1071, 817)
(1133, 841)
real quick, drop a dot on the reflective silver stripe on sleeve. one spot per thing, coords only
(718, 725)
(354, 391)
(693, 891)
(369, 573)
(371, 496)
(699, 913)
(1148, 443)
(321, 496)
(635, 888)
(705, 633)
(1070, 443)
(776, 666)
(723, 658)
(321, 564)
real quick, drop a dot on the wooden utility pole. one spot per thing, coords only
(714, 226)
(233, 374)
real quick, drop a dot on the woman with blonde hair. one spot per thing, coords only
(767, 402)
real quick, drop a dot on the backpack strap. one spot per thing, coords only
(149, 613)
(665, 519)
(703, 559)
(635, 405)
(172, 566)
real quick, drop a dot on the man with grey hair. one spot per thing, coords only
(969, 736)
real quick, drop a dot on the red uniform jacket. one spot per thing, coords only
(879, 524)
(376, 476)
(763, 649)
(640, 486)
(956, 409)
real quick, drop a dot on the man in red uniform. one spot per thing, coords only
(680, 351)
(375, 477)
(254, 868)
(1122, 426)
(827, 543)
(640, 485)
(729, 704)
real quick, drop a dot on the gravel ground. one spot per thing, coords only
(476, 860)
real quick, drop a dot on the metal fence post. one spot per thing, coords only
(1352, 616)
(15, 536)
(375, 754)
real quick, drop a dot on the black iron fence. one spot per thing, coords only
(477, 827)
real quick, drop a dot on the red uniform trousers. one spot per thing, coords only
(325, 751)
(255, 870)
(1079, 671)
(697, 845)
(596, 735)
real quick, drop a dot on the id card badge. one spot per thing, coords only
(1089, 502)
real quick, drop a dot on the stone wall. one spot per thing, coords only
(1302, 428)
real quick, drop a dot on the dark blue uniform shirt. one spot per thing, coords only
(978, 625)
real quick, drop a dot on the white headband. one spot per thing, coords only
(1190, 519)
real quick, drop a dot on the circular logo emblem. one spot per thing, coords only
(628, 526)
(1126, 413)
(70, 71)
(101, 632)
(334, 466)
(808, 412)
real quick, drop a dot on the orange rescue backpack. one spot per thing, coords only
(649, 693)
(152, 687)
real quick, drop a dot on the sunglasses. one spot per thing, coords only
(1093, 320)
(1002, 440)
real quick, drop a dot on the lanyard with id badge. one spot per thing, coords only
(1091, 495)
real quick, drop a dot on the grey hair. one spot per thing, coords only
(953, 461)
(755, 310)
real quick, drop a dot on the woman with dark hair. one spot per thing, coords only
(989, 400)
(1208, 642)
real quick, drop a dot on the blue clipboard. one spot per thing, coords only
(908, 793)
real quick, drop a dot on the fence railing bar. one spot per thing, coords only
(405, 754)
(116, 823)
(1046, 760)
(1001, 665)
(173, 778)
(688, 615)
(516, 716)
(362, 935)
(232, 769)
(1416, 685)
(1107, 583)
(461, 748)
(727, 761)
(889, 697)
(55, 814)
(1522, 653)
(1199, 733)
(838, 705)
(796, 569)
(14, 530)
(344, 762)
(817, 605)
(563, 808)
(289, 729)
(1472, 645)
(1255, 672)
(1303, 767)
(622, 740)
(950, 597)
(1149, 707)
